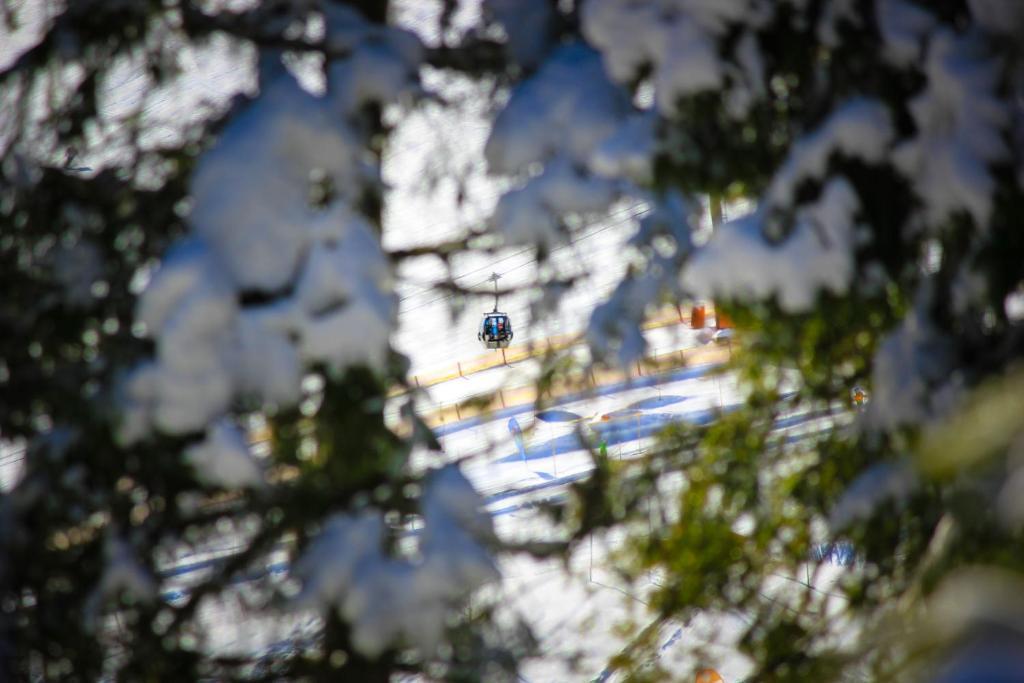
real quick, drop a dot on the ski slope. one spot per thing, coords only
(522, 458)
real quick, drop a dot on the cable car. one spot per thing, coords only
(496, 327)
(495, 330)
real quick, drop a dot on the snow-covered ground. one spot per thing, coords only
(515, 462)
(575, 610)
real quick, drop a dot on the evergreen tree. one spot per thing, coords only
(177, 292)
(881, 141)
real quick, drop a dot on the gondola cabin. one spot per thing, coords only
(495, 330)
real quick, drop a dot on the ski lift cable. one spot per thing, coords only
(444, 297)
(642, 212)
(491, 264)
(602, 286)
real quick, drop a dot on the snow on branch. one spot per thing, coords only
(679, 42)
(123, 574)
(223, 458)
(614, 329)
(274, 223)
(528, 26)
(566, 109)
(860, 128)
(960, 121)
(887, 481)
(912, 376)
(737, 263)
(548, 134)
(395, 601)
(904, 27)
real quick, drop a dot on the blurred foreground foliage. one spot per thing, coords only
(729, 520)
(827, 542)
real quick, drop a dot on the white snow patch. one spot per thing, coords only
(527, 25)
(904, 27)
(189, 308)
(532, 214)
(454, 524)
(356, 334)
(960, 122)
(223, 458)
(910, 368)
(251, 191)
(860, 128)
(375, 73)
(319, 265)
(879, 483)
(137, 399)
(833, 14)
(738, 263)
(327, 567)
(566, 109)
(614, 328)
(560, 117)
(628, 152)
(679, 41)
(1004, 17)
(689, 63)
(265, 362)
(1013, 306)
(746, 76)
(344, 263)
(390, 600)
(122, 574)
(188, 275)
